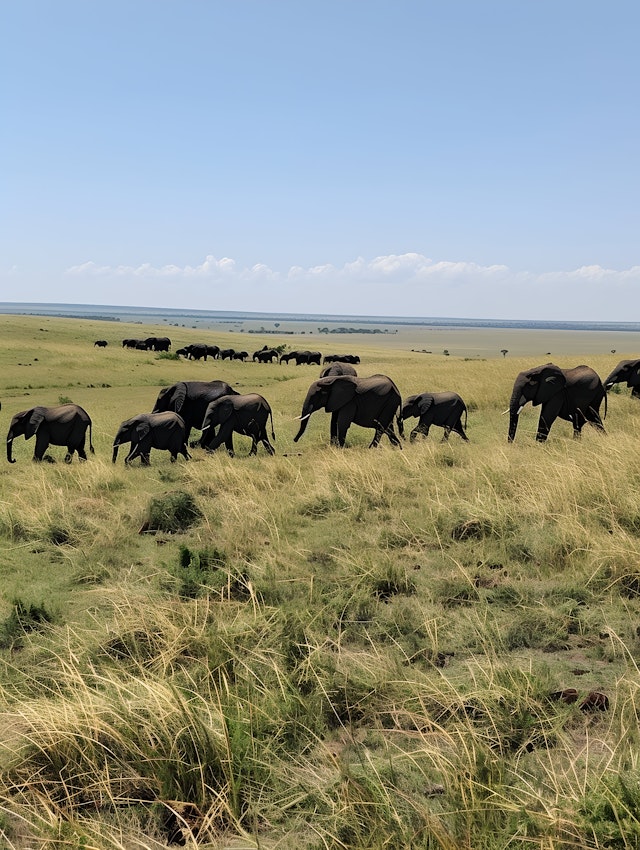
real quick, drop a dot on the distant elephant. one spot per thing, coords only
(342, 358)
(158, 343)
(571, 394)
(265, 355)
(338, 369)
(101, 343)
(443, 409)
(244, 414)
(302, 357)
(227, 353)
(190, 399)
(370, 402)
(197, 351)
(626, 370)
(132, 343)
(65, 425)
(148, 431)
(240, 355)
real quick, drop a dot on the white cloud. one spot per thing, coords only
(408, 284)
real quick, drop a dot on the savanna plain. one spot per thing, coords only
(433, 647)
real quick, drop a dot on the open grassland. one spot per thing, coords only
(428, 648)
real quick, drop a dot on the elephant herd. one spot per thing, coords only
(219, 411)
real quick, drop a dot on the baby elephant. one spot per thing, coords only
(244, 414)
(148, 431)
(65, 425)
(444, 409)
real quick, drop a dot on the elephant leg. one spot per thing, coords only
(460, 430)
(421, 428)
(593, 418)
(254, 444)
(391, 434)
(80, 449)
(344, 418)
(264, 439)
(334, 428)
(69, 455)
(42, 444)
(133, 453)
(445, 436)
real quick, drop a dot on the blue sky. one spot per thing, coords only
(468, 158)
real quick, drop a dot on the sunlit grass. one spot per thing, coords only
(342, 648)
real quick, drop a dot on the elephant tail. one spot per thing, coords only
(465, 417)
(605, 406)
(400, 423)
(91, 449)
(273, 435)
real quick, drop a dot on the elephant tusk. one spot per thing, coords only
(504, 412)
(205, 427)
(302, 418)
(520, 409)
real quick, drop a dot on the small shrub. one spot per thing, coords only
(196, 570)
(64, 399)
(24, 618)
(172, 513)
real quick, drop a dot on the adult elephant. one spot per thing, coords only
(571, 394)
(148, 431)
(240, 355)
(227, 353)
(265, 355)
(190, 399)
(626, 370)
(338, 369)
(101, 343)
(342, 358)
(158, 343)
(133, 343)
(443, 409)
(65, 425)
(244, 414)
(369, 402)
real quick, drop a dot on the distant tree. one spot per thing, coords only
(504, 351)
(276, 324)
(613, 351)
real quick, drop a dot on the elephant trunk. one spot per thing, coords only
(516, 404)
(303, 427)
(114, 457)
(400, 423)
(10, 447)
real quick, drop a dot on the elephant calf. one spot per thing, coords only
(146, 431)
(244, 414)
(443, 409)
(65, 425)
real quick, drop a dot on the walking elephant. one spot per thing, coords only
(241, 355)
(572, 394)
(65, 425)
(342, 358)
(626, 370)
(369, 402)
(227, 353)
(302, 357)
(265, 355)
(158, 343)
(190, 399)
(148, 431)
(443, 409)
(244, 414)
(101, 343)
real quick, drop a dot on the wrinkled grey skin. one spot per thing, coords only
(571, 394)
(65, 425)
(444, 409)
(148, 431)
(244, 414)
(370, 402)
(338, 369)
(190, 399)
(626, 370)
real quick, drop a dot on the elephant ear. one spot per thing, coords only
(342, 389)
(424, 402)
(551, 380)
(142, 429)
(225, 409)
(179, 396)
(35, 421)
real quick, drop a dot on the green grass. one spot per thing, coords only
(326, 648)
